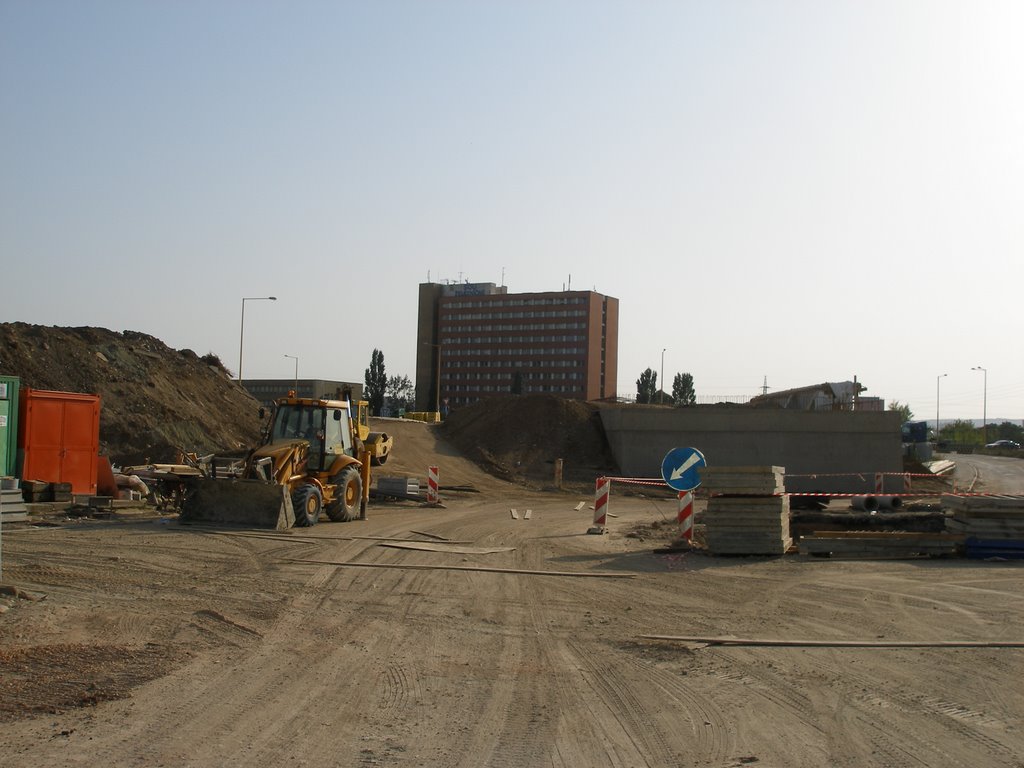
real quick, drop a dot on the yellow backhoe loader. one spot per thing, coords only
(315, 457)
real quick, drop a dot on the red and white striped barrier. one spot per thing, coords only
(602, 492)
(433, 497)
(656, 481)
(861, 475)
(685, 516)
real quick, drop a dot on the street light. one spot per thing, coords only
(661, 393)
(984, 404)
(296, 359)
(937, 379)
(241, 331)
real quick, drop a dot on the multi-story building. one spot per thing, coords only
(476, 340)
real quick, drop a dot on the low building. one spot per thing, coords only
(834, 396)
(268, 390)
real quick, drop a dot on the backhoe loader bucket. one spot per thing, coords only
(252, 503)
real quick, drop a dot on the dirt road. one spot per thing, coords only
(159, 644)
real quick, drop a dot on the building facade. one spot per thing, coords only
(476, 340)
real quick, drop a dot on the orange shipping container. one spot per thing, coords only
(59, 438)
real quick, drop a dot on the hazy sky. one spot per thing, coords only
(806, 191)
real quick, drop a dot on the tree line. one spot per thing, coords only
(683, 393)
(396, 392)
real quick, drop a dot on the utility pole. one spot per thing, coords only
(661, 389)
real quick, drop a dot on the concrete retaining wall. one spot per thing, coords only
(804, 442)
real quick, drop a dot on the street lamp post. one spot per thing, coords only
(661, 394)
(937, 380)
(241, 331)
(984, 404)
(296, 359)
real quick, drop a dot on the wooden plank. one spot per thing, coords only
(839, 643)
(893, 535)
(478, 569)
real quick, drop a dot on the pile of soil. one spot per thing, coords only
(154, 400)
(518, 438)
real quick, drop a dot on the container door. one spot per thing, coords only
(44, 426)
(78, 467)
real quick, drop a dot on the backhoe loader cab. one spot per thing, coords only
(328, 431)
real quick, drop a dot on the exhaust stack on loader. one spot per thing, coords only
(315, 457)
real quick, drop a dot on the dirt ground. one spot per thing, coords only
(506, 642)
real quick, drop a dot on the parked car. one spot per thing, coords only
(1004, 444)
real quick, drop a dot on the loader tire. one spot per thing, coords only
(307, 503)
(348, 494)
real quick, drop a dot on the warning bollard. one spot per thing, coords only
(601, 493)
(433, 497)
(685, 516)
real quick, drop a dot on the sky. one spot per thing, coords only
(780, 192)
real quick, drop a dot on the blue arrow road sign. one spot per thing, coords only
(681, 468)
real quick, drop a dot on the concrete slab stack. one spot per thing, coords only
(12, 506)
(747, 512)
(985, 517)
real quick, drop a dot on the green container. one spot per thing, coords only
(9, 388)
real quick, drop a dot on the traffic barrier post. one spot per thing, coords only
(433, 497)
(685, 515)
(602, 492)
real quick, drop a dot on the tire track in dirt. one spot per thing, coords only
(233, 693)
(625, 698)
(867, 694)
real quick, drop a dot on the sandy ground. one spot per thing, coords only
(159, 644)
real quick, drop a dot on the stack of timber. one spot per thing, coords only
(747, 512)
(992, 525)
(12, 506)
(880, 544)
(36, 491)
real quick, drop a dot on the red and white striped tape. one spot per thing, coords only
(685, 515)
(433, 497)
(657, 481)
(861, 475)
(602, 491)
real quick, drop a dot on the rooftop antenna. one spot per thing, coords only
(764, 387)
(502, 277)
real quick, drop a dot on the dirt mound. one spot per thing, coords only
(154, 399)
(518, 438)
